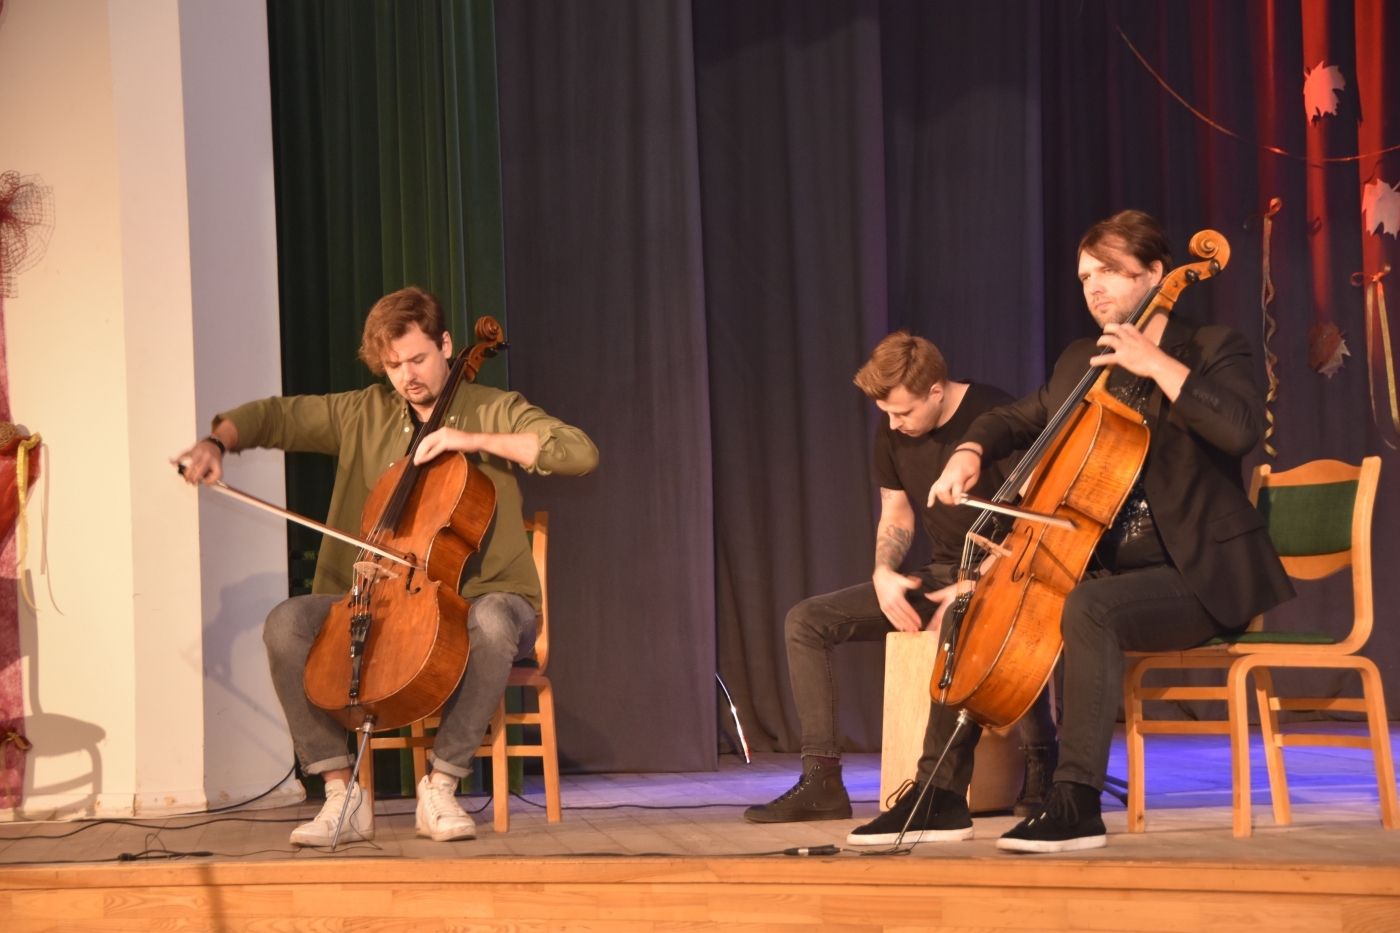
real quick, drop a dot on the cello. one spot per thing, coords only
(1002, 630)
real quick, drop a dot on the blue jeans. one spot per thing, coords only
(501, 627)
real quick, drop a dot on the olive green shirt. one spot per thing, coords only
(370, 429)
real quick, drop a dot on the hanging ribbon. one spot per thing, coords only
(1377, 320)
(1318, 162)
(1266, 297)
(22, 487)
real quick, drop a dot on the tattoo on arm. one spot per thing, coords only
(891, 546)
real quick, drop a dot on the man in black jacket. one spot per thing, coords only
(1188, 558)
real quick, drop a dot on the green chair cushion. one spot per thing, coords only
(1273, 638)
(1308, 520)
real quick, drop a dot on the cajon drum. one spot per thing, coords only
(998, 765)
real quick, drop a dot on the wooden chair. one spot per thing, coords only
(1319, 515)
(496, 744)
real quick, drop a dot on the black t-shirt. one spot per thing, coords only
(914, 464)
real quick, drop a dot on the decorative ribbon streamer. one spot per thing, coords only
(22, 487)
(1266, 297)
(12, 737)
(1229, 132)
(1376, 315)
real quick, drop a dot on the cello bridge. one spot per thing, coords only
(372, 572)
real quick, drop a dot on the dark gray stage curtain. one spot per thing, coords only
(1114, 139)
(962, 169)
(791, 169)
(604, 282)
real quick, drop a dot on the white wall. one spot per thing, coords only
(154, 306)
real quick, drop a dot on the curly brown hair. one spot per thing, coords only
(390, 319)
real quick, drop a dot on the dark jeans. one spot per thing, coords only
(815, 626)
(1138, 610)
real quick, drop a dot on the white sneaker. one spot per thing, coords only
(359, 819)
(439, 815)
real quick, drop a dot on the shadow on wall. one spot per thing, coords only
(56, 736)
(247, 744)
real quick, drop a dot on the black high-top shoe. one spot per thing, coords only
(1041, 761)
(941, 817)
(1070, 821)
(818, 795)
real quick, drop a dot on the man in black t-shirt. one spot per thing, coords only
(927, 417)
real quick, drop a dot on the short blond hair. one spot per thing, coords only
(901, 359)
(390, 319)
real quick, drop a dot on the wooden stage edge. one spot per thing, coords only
(637, 895)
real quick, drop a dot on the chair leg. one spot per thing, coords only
(420, 755)
(1380, 741)
(1137, 779)
(1239, 747)
(366, 775)
(1273, 752)
(553, 808)
(500, 769)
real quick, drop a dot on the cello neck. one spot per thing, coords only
(490, 341)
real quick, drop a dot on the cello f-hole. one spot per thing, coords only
(1018, 570)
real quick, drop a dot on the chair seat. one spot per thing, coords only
(1272, 638)
(522, 676)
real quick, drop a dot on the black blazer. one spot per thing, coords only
(1192, 477)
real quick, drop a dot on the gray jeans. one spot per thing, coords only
(501, 627)
(815, 626)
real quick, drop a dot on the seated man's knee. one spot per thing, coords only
(800, 623)
(1082, 615)
(279, 631)
(492, 622)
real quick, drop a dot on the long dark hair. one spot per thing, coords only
(1133, 232)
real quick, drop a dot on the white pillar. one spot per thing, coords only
(136, 586)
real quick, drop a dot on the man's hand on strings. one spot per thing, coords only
(522, 448)
(1128, 348)
(959, 475)
(891, 589)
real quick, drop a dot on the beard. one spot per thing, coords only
(418, 393)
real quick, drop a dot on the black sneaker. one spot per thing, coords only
(818, 795)
(941, 817)
(1041, 761)
(1070, 821)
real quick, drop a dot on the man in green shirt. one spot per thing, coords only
(405, 339)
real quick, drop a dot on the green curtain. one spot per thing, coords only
(387, 174)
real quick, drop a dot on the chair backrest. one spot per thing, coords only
(538, 529)
(1319, 516)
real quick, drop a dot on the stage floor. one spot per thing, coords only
(1335, 817)
(688, 863)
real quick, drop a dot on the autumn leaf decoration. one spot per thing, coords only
(1321, 86)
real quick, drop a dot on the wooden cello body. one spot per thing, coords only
(394, 649)
(1002, 634)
